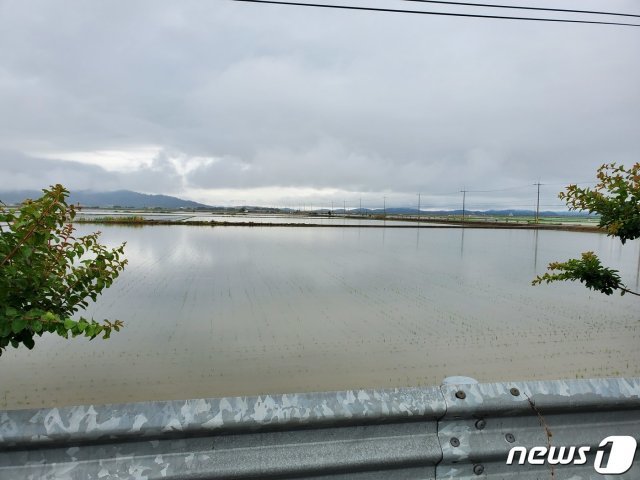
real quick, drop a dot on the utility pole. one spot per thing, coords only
(331, 207)
(464, 198)
(360, 206)
(418, 205)
(384, 206)
(344, 207)
(538, 203)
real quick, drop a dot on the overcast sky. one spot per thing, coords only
(236, 103)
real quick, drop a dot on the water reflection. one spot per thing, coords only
(236, 311)
(638, 270)
(535, 251)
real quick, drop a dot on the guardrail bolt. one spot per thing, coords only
(461, 395)
(480, 424)
(478, 469)
(515, 392)
(510, 438)
(454, 442)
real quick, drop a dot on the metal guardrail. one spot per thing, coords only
(452, 431)
(493, 418)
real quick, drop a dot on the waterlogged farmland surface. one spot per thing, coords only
(285, 219)
(233, 311)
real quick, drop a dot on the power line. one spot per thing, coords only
(505, 205)
(542, 9)
(422, 12)
(500, 189)
(505, 189)
(572, 183)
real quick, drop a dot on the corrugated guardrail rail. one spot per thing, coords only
(452, 431)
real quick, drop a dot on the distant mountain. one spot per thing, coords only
(130, 199)
(505, 212)
(118, 198)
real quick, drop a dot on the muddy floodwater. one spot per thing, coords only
(228, 311)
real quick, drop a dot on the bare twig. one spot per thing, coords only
(629, 291)
(547, 431)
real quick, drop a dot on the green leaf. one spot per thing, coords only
(5, 329)
(18, 325)
(90, 331)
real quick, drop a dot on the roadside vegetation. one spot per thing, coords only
(47, 275)
(616, 199)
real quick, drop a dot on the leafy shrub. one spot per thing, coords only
(47, 274)
(616, 198)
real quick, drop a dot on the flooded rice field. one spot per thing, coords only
(337, 220)
(227, 311)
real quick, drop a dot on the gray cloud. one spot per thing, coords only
(303, 98)
(24, 172)
(20, 171)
